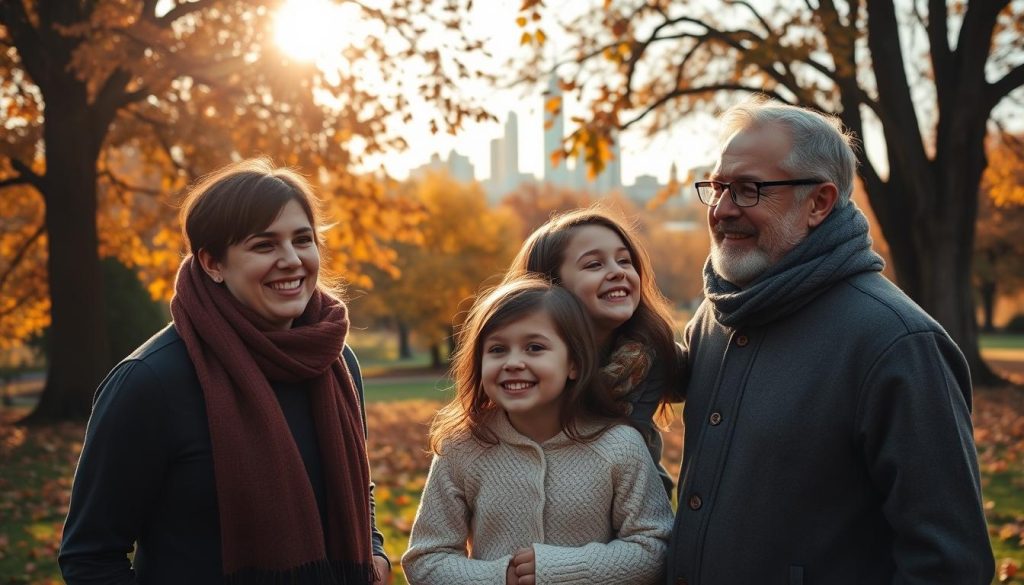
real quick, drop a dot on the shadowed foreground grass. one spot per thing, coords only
(37, 463)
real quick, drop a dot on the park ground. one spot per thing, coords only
(37, 465)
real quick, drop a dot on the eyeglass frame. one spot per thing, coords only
(758, 184)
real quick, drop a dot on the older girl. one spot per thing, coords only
(600, 260)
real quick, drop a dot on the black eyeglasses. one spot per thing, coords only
(743, 193)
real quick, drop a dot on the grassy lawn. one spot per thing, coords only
(1001, 341)
(1004, 500)
(393, 389)
(36, 465)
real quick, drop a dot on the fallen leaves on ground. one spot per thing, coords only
(37, 463)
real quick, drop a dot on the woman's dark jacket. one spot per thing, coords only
(145, 478)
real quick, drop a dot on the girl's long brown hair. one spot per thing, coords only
(471, 409)
(651, 324)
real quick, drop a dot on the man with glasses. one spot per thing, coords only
(828, 435)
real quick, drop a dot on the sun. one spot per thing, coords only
(316, 30)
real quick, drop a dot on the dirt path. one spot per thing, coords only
(1009, 361)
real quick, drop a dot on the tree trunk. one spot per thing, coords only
(435, 356)
(987, 292)
(932, 246)
(404, 348)
(947, 296)
(77, 342)
(453, 343)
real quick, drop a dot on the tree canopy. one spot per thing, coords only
(998, 248)
(112, 106)
(916, 82)
(465, 244)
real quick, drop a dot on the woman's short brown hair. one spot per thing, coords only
(241, 199)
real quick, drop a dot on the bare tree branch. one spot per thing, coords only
(19, 180)
(23, 34)
(755, 13)
(699, 90)
(20, 254)
(156, 126)
(124, 185)
(33, 178)
(1009, 82)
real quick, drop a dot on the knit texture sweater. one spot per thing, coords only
(594, 512)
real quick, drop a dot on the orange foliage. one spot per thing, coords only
(24, 302)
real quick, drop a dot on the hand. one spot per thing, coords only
(522, 568)
(383, 569)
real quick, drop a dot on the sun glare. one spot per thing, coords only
(316, 30)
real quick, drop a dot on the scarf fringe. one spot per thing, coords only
(322, 572)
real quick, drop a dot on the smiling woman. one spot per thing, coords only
(237, 429)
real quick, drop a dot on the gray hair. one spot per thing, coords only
(822, 148)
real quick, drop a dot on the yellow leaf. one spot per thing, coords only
(525, 39)
(521, 21)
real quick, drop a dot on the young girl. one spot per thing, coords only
(602, 262)
(532, 481)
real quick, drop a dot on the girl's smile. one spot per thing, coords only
(598, 268)
(524, 369)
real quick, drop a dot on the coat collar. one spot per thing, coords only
(506, 433)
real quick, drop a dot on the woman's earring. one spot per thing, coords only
(217, 278)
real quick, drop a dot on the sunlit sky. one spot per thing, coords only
(314, 30)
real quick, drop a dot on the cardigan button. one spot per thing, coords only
(681, 581)
(742, 340)
(695, 502)
(715, 419)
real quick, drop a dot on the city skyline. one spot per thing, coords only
(506, 172)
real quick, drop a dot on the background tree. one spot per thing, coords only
(677, 255)
(925, 78)
(535, 203)
(465, 245)
(186, 86)
(998, 248)
(24, 305)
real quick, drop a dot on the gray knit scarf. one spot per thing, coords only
(834, 251)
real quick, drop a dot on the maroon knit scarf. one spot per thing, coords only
(271, 528)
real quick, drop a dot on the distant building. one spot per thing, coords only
(644, 188)
(505, 175)
(610, 178)
(456, 165)
(554, 134)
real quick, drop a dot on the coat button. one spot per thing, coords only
(742, 340)
(715, 419)
(695, 502)
(681, 581)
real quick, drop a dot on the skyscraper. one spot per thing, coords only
(505, 175)
(554, 133)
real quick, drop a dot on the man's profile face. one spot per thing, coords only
(747, 241)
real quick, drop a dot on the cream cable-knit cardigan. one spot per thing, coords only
(594, 512)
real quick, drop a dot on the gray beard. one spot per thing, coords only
(743, 268)
(740, 269)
